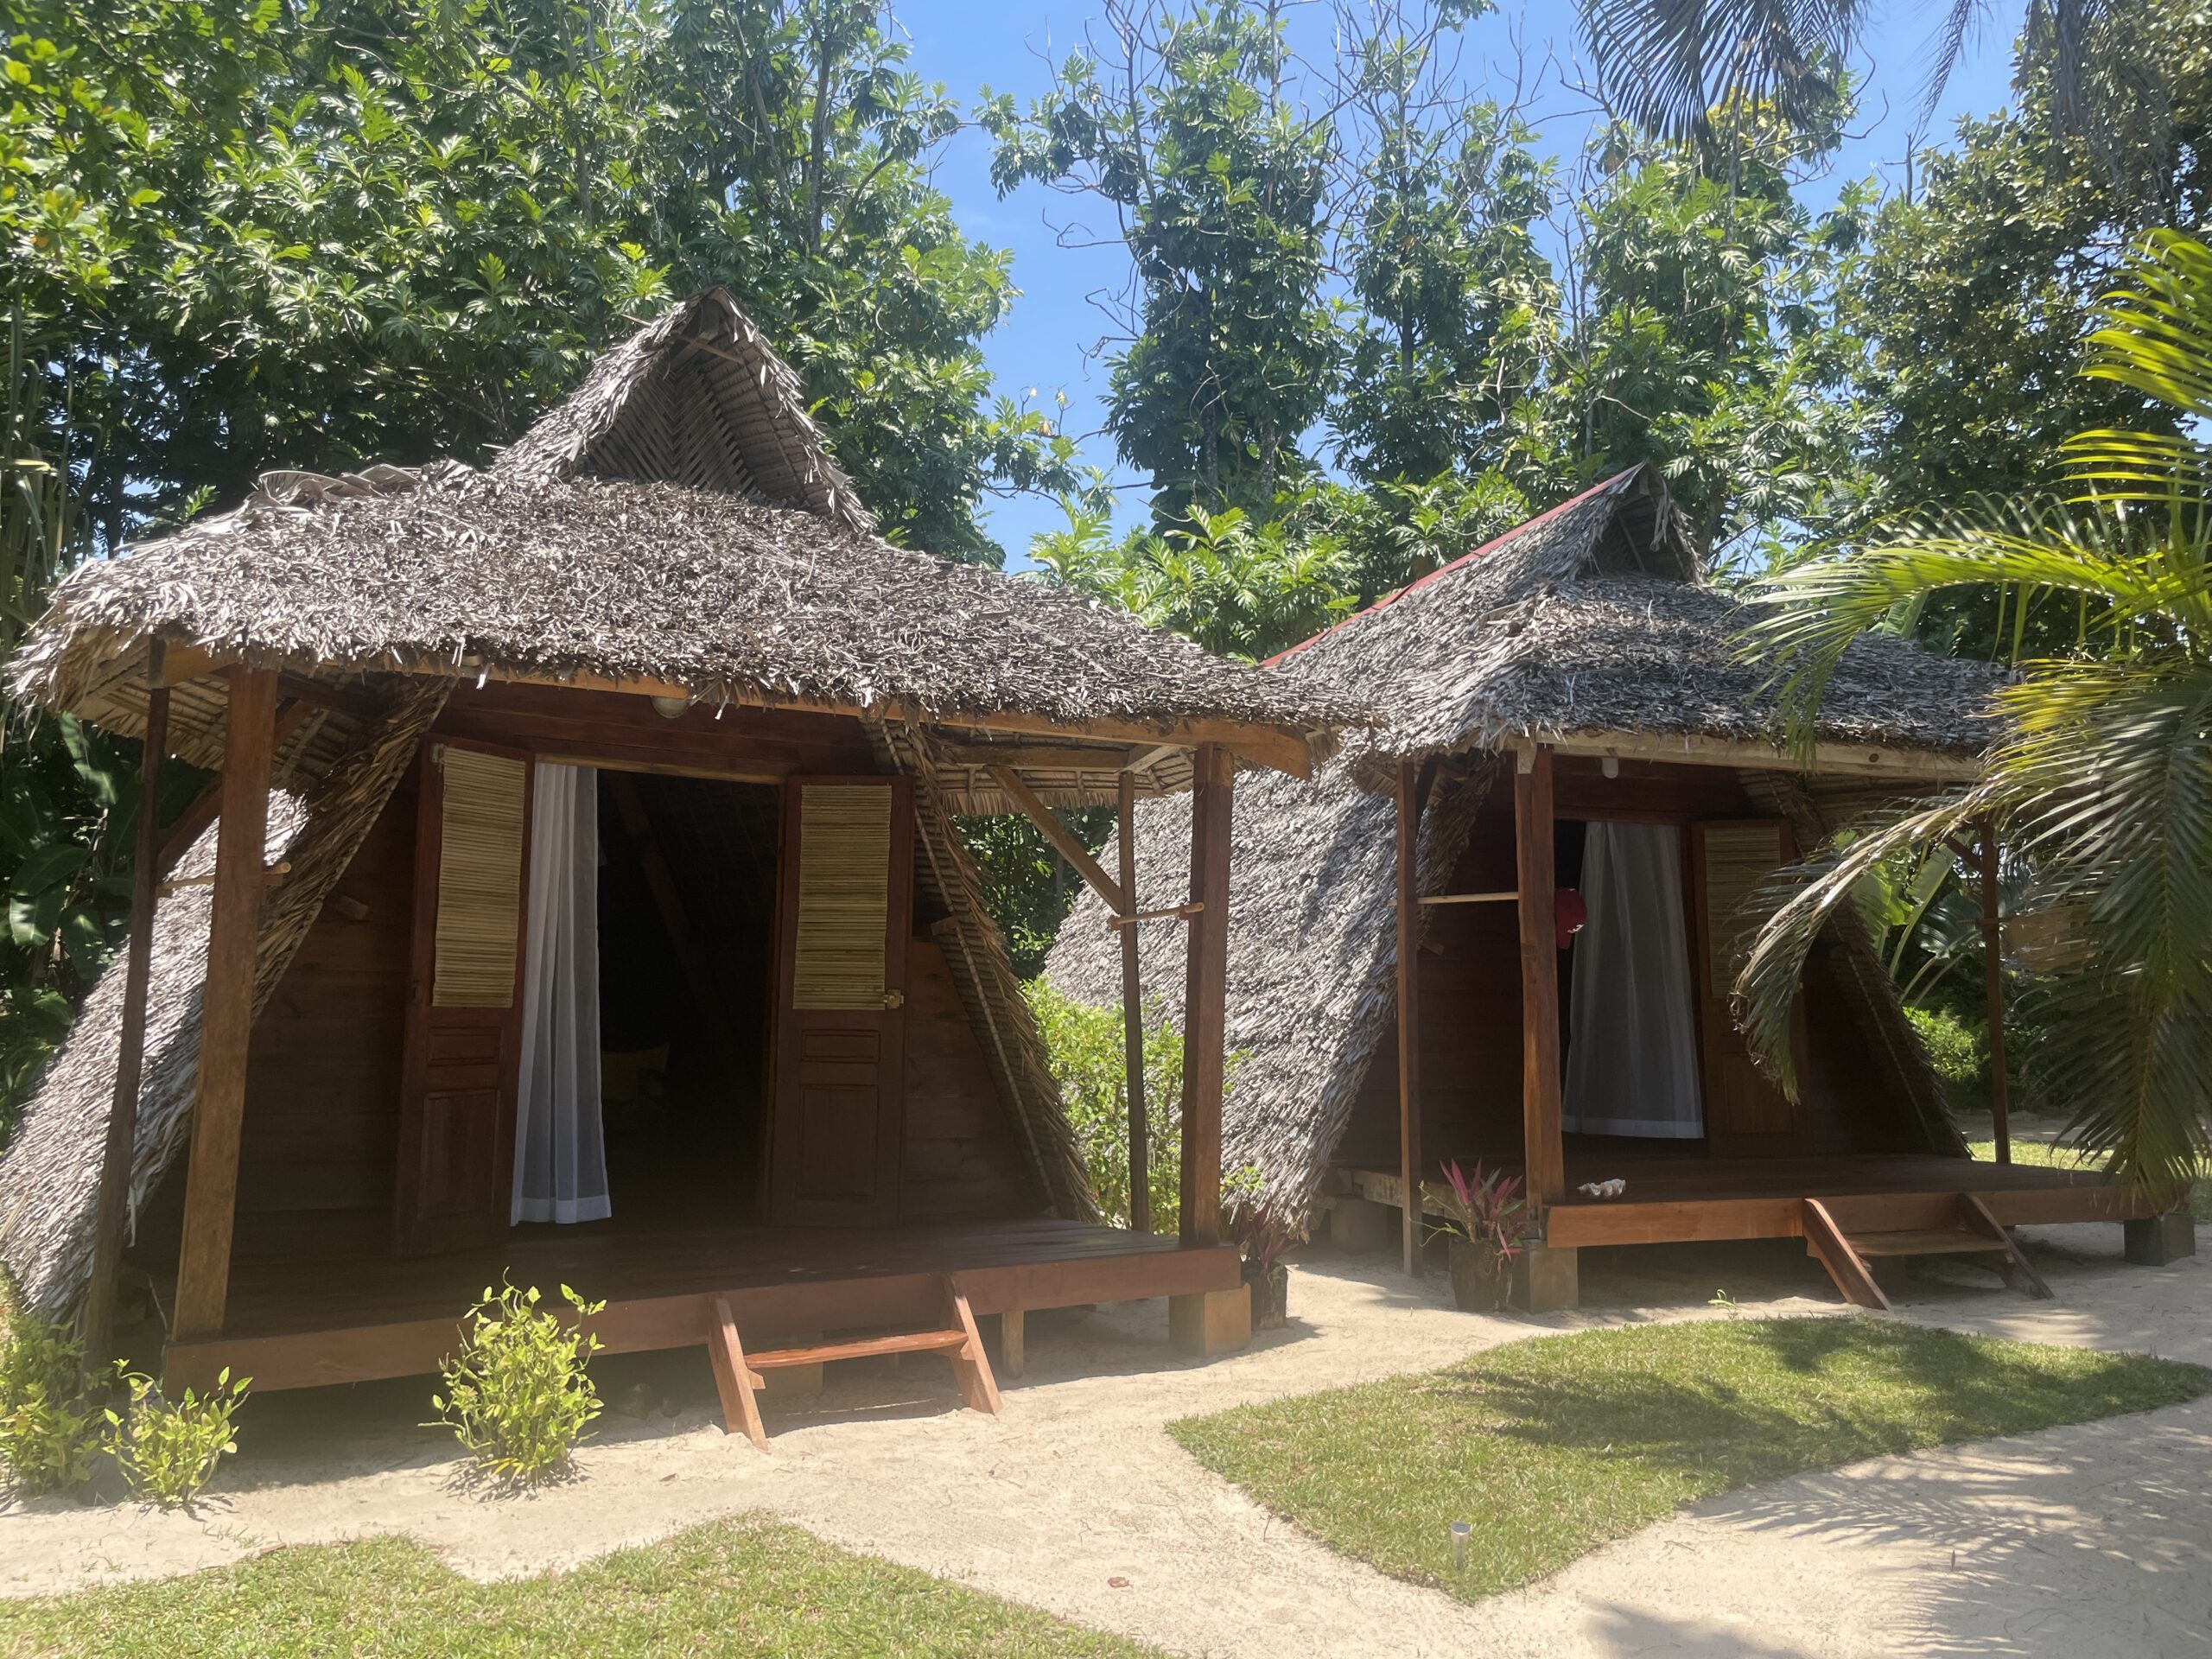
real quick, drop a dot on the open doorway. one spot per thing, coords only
(687, 938)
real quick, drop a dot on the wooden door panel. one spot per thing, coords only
(845, 900)
(1746, 1115)
(464, 1013)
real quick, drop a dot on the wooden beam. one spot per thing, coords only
(1039, 757)
(1842, 760)
(180, 663)
(1410, 1166)
(1133, 1017)
(1164, 913)
(1472, 898)
(698, 971)
(1063, 838)
(226, 1005)
(1825, 1242)
(118, 1156)
(1285, 747)
(356, 701)
(1205, 995)
(1146, 756)
(1540, 1083)
(734, 1379)
(1992, 991)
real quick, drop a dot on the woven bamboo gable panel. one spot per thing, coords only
(844, 895)
(479, 879)
(1738, 858)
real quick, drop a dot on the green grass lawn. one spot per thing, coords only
(1551, 1447)
(2043, 1152)
(735, 1587)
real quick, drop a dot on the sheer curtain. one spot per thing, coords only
(560, 1148)
(1632, 1065)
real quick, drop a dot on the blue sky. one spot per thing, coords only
(970, 44)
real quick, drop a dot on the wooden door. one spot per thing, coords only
(464, 1004)
(844, 913)
(1746, 1115)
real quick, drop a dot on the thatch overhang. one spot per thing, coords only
(1592, 628)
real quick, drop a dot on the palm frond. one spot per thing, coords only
(1667, 65)
(2154, 331)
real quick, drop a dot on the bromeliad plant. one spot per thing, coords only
(1483, 1209)
(2099, 781)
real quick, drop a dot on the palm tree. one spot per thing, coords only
(2099, 779)
(1670, 65)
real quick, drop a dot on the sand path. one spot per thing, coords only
(2093, 1541)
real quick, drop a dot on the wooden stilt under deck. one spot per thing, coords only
(1993, 985)
(1409, 1161)
(226, 1005)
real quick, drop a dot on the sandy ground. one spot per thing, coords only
(2095, 1541)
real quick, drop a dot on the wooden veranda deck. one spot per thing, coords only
(296, 1322)
(1672, 1198)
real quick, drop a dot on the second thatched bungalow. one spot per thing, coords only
(579, 899)
(1502, 928)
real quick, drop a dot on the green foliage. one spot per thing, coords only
(517, 1396)
(1027, 887)
(245, 235)
(169, 1450)
(1084, 1045)
(49, 1431)
(735, 1589)
(2096, 777)
(1218, 182)
(1553, 1447)
(1960, 1054)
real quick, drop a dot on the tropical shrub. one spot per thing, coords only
(1483, 1209)
(517, 1396)
(1083, 1045)
(1960, 1054)
(49, 1433)
(168, 1449)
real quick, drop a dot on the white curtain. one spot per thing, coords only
(560, 1148)
(1632, 1064)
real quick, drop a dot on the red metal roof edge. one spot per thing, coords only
(1443, 570)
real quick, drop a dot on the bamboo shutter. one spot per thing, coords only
(479, 879)
(844, 895)
(1738, 858)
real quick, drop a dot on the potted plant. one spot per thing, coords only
(1263, 1235)
(1484, 1223)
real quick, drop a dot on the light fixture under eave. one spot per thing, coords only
(671, 707)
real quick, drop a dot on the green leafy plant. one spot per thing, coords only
(518, 1395)
(168, 1449)
(1083, 1047)
(49, 1431)
(1960, 1052)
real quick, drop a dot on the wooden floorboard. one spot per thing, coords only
(301, 1323)
(1676, 1198)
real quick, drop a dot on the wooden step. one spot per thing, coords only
(908, 1342)
(1927, 1241)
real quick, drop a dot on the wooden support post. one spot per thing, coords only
(1541, 1155)
(118, 1156)
(734, 1379)
(290, 716)
(1409, 1157)
(1992, 988)
(1132, 1020)
(1205, 995)
(203, 1270)
(1014, 1353)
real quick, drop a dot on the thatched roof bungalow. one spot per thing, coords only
(643, 728)
(1569, 697)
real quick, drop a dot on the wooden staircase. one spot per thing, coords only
(738, 1375)
(1848, 1236)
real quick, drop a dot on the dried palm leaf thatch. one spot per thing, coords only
(946, 878)
(1593, 619)
(49, 1179)
(1312, 951)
